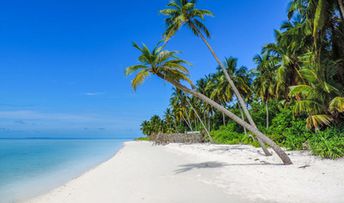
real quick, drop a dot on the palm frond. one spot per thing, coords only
(319, 18)
(139, 78)
(337, 105)
(303, 90)
(307, 107)
(316, 121)
(131, 69)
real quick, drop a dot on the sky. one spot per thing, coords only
(62, 61)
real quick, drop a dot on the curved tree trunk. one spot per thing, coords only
(223, 119)
(187, 123)
(267, 114)
(189, 120)
(341, 8)
(209, 124)
(243, 118)
(235, 89)
(283, 156)
(200, 120)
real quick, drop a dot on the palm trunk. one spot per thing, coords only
(209, 124)
(200, 120)
(243, 118)
(209, 120)
(175, 125)
(341, 8)
(267, 114)
(205, 118)
(187, 123)
(235, 89)
(283, 156)
(223, 119)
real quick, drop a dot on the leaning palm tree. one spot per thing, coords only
(184, 12)
(221, 91)
(341, 8)
(167, 66)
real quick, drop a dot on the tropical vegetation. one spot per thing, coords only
(294, 97)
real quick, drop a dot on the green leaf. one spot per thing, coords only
(337, 105)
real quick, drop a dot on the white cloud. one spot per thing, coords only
(93, 93)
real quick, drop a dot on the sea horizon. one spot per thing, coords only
(32, 166)
(64, 138)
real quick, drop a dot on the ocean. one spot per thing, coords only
(29, 167)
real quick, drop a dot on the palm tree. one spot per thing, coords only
(316, 97)
(265, 81)
(310, 51)
(320, 25)
(157, 124)
(341, 8)
(167, 66)
(287, 49)
(221, 91)
(179, 107)
(146, 128)
(242, 81)
(184, 12)
(154, 126)
(207, 110)
(169, 121)
(189, 101)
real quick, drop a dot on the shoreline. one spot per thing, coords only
(71, 179)
(33, 173)
(140, 172)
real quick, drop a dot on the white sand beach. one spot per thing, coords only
(178, 173)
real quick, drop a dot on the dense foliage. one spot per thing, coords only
(295, 94)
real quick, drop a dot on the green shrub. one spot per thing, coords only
(295, 142)
(258, 113)
(142, 139)
(332, 148)
(288, 131)
(228, 135)
(328, 143)
(279, 138)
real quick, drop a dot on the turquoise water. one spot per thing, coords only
(30, 167)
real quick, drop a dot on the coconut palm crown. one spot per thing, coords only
(162, 63)
(184, 12)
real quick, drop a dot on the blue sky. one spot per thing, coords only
(62, 61)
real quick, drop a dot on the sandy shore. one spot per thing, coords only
(200, 173)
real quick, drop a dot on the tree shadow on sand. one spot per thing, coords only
(215, 164)
(228, 148)
(237, 148)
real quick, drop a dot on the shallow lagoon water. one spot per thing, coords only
(29, 167)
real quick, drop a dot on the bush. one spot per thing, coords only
(258, 113)
(328, 143)
(142, 139)
(288, 131)
(228, 135)
(295, 142)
